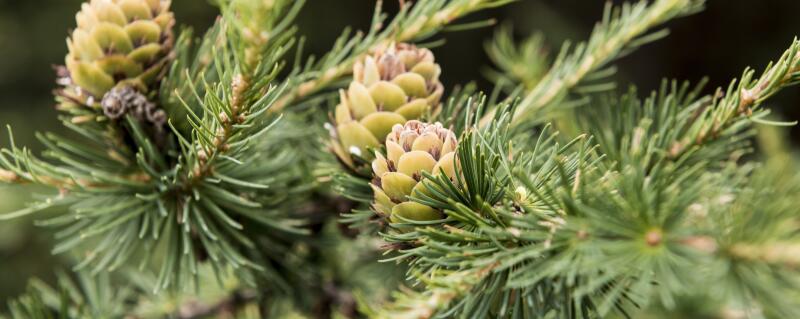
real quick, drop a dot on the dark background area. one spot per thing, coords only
(718, 42)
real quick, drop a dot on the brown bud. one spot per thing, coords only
(197, 171)
(653, 237)
(8, 176)
(223, 118)
(202, 156)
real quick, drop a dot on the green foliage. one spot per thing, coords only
(626, 207)
(621, 31)
(525, 62)
(89, 297)
(592, 231)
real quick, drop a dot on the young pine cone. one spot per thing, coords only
(391, 86)
(411, 149)
(118, 41)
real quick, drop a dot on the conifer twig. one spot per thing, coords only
(240, 84)
(226, 306)
(609, 39)
(740, 100)
(784, 254)
(440, 292)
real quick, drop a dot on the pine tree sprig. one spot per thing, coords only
(442, 289)
(682, 125)
(621, 30)
(757, 242)
(740, 100)
(85, 296)
(196, 202)
(778, 254)
(469, 247)
(592, 233)
(259, 24)
(640, 206)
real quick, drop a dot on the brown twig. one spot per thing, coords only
(783, 254)
(778, 253)
(204, 167)
(194, 309)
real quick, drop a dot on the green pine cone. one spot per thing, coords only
(118, 41)
(411, 149)
(391, 86)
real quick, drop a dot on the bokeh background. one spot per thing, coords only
(718, 42)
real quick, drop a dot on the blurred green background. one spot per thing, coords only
(719, 42)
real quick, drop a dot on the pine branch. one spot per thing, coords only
(21, 166)
(259, 24)
(756, 240)
(227, 122)
(683, 126)
(257, 36)
(741, 100)
(590, 234)
(621, 31)
(470, 239)
(498, 222)
(193, 196)
(193, 67)
(441, 290)
(778, 254)
(226, 306)
(85, 296)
